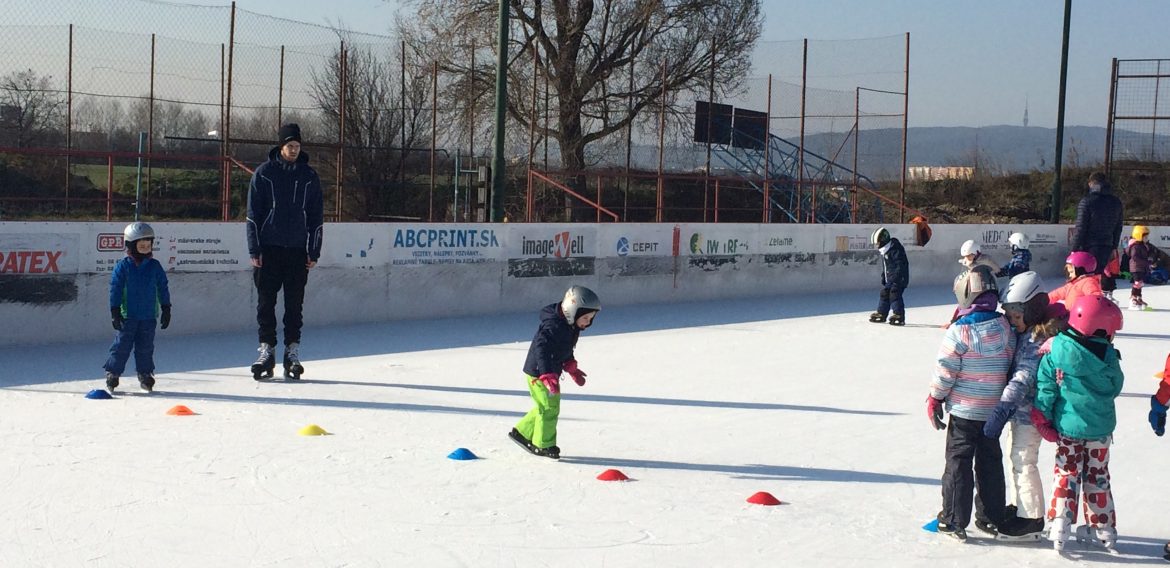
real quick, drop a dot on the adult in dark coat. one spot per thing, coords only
(1099, 221)
(285, 219)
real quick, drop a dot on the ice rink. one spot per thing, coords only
(700, 404)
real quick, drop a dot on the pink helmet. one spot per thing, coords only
(1091, 314)
(1083, 260)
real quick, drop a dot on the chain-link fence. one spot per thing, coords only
(1138, 134)
(395, 134)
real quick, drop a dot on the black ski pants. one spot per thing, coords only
(281, 268)
(974, 461)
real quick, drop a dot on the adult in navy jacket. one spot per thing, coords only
(284, 239)
(1099, 220)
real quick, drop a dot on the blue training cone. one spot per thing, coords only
(462, 454)
(932, 526)
(98, 394)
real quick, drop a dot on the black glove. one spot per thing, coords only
(116, 317)
(999, 418)
(165, 320)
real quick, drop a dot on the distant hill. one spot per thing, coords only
(993, 149)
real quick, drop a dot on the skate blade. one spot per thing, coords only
(1022, 538)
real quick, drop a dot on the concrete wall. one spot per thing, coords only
(54, 277)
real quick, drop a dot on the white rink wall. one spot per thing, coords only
(54, 277)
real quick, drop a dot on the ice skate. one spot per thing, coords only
(1135, 305)
(111, 382)
(1058, 533)
(549, 452)
(1102, 538)
(1021, 530)
(898, 320)
(987, 527)
(957, 533)
(265, 363)
(146, 382)
(877, 317)
(292, 362)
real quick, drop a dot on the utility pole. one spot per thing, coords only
(1054, 216)
(499, 177)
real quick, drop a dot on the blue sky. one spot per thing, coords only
(972, 63)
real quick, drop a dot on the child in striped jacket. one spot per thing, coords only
(969, 379)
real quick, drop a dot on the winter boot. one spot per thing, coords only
(877, 317)
(111, 381)
(146, 381)
(292, 362)
(898, 319)
(265, 363)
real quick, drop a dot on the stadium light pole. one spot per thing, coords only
(1054, 216)
(499, 179)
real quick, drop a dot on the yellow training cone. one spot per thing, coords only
(312, 430)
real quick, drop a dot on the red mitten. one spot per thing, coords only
(1044, 426)
(577, 374)
(934, 410)
(551, 382)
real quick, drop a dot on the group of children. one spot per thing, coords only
(1045, 369)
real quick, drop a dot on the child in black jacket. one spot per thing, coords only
(895, 278)
(550, 354)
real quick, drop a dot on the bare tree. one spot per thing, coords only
(378, 142)
(588, 51)
(30, 109)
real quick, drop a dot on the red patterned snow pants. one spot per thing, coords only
(1083, 466)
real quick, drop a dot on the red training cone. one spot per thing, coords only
(763, 498)
(180, 410)
(612, 475)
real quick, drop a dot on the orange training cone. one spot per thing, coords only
(763, 498)
(612, 475)
(181, 410)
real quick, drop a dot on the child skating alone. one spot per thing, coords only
(138, 295)
(895, 278)
(1141, 255)
(1021, 260)
(969, 378)
(1034, 320)
(1077, 384)
(550, 354)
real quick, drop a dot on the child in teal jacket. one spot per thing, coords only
(1077, 383)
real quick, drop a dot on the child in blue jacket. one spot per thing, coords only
(138, 295)
(1077, 384)
(550, 354)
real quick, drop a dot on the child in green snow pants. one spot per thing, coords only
(540, 424)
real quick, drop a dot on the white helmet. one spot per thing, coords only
(969, 247)
(971, 283)
(880, 237)
(1018, 241)
(137, 230)
(578, 301)
(1023, 287)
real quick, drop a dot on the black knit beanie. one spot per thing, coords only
(289, 133)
